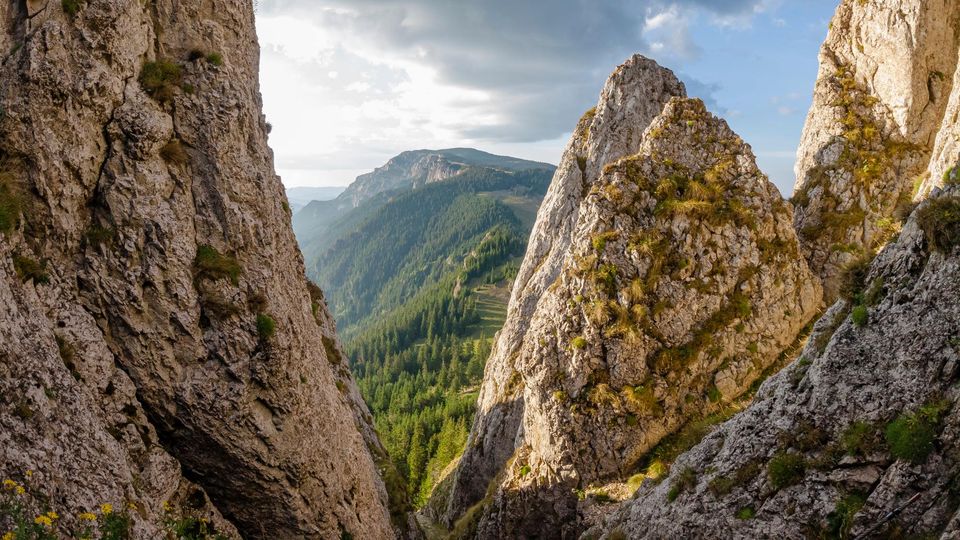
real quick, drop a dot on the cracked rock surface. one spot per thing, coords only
(633, 95)
(170, 349)
(879, 133)
(816, 454)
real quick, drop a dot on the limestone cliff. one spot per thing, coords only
(159, 341)
(635, 94)
(886, 76)
(863, 424)
(858, 437)
(678, 282)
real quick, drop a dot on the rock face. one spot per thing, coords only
(159, 327)
(679, 281)
(886, 76)
(635, 94)
(864, 423)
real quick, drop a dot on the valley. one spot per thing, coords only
(420, 276)
(644, 341)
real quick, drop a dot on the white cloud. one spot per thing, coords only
(349, 83)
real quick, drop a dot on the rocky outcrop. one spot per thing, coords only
(669, 280)
(886, 76)
(160, 343)
(682, 285)
(862, 425)
(632, 97)
(409, 169)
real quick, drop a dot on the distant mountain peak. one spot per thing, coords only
(415, 168)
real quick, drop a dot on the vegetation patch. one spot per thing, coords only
(160, 79)
(723, 485)
(173, 152)
(685, 481)
(911, 436)
(643, 399)
(578, 342)
(786, 469)
(266, 326)
(30, 270)
(330, 348)
(860, 316)
(71, 7)
(747, 512)
(599, 241)
(10, 203)
(860, 439)
(215, 59)
(211, 264)
(97, 235)
(840, 520)
(940, 221)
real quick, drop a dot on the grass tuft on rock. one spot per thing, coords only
(215, 59)
(10, 204)
(159, 79)
(911, 436)
(31, 270)
(685, 481)
(173, 152)
(786, 470)
(211, 264)
(71, 7)
(940, 221)
(266, 326)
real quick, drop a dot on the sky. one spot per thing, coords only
(348, 84)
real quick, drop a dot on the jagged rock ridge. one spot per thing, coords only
(877, 135)
(635, 93)
(680, 282)
(682, 285)
(159, 325)
(862, 424)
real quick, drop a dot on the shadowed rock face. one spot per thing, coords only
(133, 149)
(877, 135)
(863, 421)
(635, 94)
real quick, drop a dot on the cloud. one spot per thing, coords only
(497, 70)
(349, 83)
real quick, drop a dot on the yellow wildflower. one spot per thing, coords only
(20, 490)
(167, 507)
(131, 506)
(52, 515)
(106, 509)
(9, 484)
(9, 536)
(29, 474)
(43, 520)
(87, 516)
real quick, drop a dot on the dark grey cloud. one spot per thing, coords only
(542, 63)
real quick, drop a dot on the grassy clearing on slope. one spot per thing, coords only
(492, 308)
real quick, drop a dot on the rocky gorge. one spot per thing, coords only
(686, 353)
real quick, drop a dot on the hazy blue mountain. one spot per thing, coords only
(302, 196)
